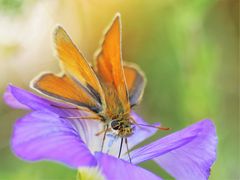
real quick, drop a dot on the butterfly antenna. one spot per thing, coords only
(129, 157)
(148, 125)
(157, 127)
(120, 150)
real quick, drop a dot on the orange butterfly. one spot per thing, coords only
(108, 90)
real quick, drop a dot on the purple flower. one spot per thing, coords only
(42, 135)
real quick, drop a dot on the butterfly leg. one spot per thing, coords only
(73, 108)
(79, 117)
(104, 136)
(63, 107)
(126, 142)
(120, 150)
(102, 131)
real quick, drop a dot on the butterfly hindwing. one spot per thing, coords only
(135, 80)
(64, 88)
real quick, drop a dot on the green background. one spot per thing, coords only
(188, 50)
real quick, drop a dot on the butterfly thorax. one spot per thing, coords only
(117, 114)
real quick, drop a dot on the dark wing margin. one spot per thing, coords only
(136, 81)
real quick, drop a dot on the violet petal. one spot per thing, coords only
(12, 101)
(20, 98)
(186, 154)
(41, 135)
(118, 169)
(193, 160)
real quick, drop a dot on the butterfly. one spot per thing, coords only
(108, 89)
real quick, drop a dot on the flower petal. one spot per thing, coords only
(186, 154)
(118, 169)
(41, 135)
(16, 97)
(12, 101)
(20, 98)
(87, 130)
(194, 160)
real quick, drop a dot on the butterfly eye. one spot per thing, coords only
(115, 124)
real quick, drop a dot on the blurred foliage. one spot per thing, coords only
(11, 5)
(188, 50)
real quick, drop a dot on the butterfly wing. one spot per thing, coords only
(75, 65)
(64, 88)
(109, 65)
(135, 80)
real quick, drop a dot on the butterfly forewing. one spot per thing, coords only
(110, 68)
(75, 65)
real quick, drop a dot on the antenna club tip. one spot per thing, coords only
(163, 128)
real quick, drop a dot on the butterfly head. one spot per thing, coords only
(122, 127)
